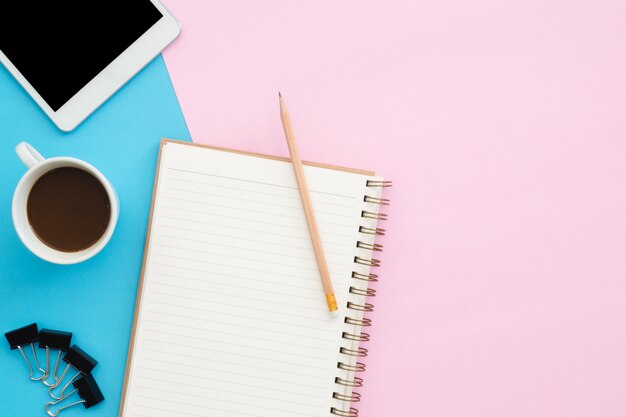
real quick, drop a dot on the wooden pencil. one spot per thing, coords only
(308, 207)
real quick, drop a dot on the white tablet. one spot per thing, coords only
(71, 55)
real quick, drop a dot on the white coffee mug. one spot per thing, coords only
(38, 166)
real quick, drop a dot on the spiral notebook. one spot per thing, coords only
(231, 318)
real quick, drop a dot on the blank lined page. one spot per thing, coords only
(232, 319)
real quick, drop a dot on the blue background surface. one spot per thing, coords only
(95, 300)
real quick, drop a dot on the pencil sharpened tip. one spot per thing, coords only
(279, 95)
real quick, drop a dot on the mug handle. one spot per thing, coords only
(29, 155)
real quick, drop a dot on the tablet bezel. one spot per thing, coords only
(111, 78)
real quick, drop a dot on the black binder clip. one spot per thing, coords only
(87, 390)
(55, 340)
(79, 360)
(21, 337)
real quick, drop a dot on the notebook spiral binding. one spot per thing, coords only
(359, 352)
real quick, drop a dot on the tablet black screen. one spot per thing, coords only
(59, 46)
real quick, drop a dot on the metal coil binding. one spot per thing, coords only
(361, 352)
(375, 247)
(365, 277)
(372, 215)
(357, 367)
(376, 200)
(369, 231)
(368, 262)
(360, 307)
(374, 183)
(356, 382)
(367, 292)
(354, 397)
(361, 337)
(352, 412)
(364, 322)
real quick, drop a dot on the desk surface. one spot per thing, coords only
(502, 125)
(95, 300)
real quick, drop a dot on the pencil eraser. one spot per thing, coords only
(88, 390)
(55, 339)
(22, 336)
(80, 360)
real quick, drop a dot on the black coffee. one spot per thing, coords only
(68, 209)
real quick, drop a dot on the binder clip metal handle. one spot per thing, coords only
(79, 360)
(53, 414)
(55, 340)
(87, 390)
(21, 337)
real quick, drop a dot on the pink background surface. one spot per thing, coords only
(503, 126)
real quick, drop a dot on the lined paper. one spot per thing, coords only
(232, 319)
